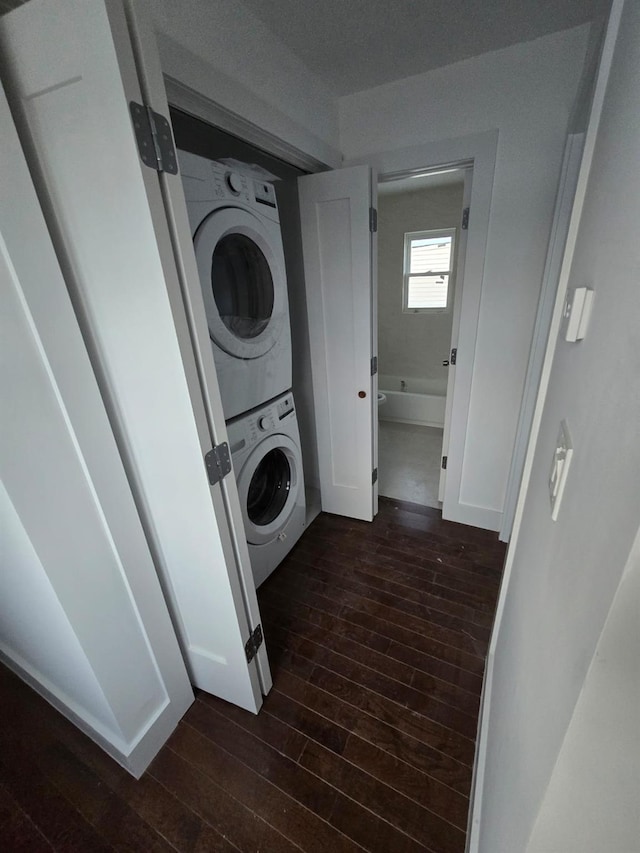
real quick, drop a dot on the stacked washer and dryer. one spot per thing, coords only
(235, 225)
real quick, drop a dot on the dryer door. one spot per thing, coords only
(268, 485)
(241, 268)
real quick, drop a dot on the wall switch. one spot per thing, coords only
(560, 468)
(577, 310)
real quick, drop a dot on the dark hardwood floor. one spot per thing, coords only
(377, 635)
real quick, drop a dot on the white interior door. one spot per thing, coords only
(128, 260)
(339, 264)
(450, 499)
(82, 615)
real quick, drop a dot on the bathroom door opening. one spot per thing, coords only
(421, 245)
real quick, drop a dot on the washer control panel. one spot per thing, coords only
(284, 407)
(246, 430)
(266, 422)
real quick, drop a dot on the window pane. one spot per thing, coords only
(430, 255)
(427, 291)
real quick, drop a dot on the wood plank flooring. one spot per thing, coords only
(377, 635)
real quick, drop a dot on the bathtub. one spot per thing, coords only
(421, 403)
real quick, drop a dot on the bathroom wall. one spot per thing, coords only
(411, 345)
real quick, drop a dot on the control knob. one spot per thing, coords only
(265, 422)
(234, 182)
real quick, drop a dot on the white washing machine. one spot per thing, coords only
(265, 447)
(238, 245)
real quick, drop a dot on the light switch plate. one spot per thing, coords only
(560, 468)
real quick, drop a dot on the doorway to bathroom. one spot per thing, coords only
(422, 221)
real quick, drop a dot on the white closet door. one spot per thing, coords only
(339, 264)
(451, 498)
(82, 615)
(73, 67)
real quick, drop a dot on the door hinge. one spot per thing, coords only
(374, 476)
(465, 219)
(253, 643)
(154, 138)
(374, 365)
(373, 220)
(454, 355)
(444, 463)
(218, 462)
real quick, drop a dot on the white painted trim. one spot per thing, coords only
(480, 150)
(475, 809)
(478, 516)
(564, 203)
(185, 98)
(134, 757)
(52, 327)
(414, 421)
(189, 316)
(460, 265)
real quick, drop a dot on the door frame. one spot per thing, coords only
(559, 228)
(184, 98)
(478, 150)
(459, 268)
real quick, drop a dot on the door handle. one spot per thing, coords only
(445, 363)
(362, 394)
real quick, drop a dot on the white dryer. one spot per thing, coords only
(238, 245)
(265, 448)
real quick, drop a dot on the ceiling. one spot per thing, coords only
(357, 44)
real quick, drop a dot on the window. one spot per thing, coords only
(428, 261)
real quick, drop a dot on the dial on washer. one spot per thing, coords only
(234, 182)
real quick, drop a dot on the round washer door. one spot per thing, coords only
(268, 485)
(243, 282)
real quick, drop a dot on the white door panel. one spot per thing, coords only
(450, 498)
(190, 320)
(338, 262)
(71, 87)
(82, 616)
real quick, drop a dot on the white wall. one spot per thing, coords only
(527, 92)
(221, 50)
(564, 574)
(412, 345)
(592, 800)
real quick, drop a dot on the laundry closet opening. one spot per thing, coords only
(245, 222)
(421, 241)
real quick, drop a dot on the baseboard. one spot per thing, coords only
(475, 516)
(479, 763)
(433, 424)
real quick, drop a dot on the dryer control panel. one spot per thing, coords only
(229, 184)
(248, 429)
(265, 193)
